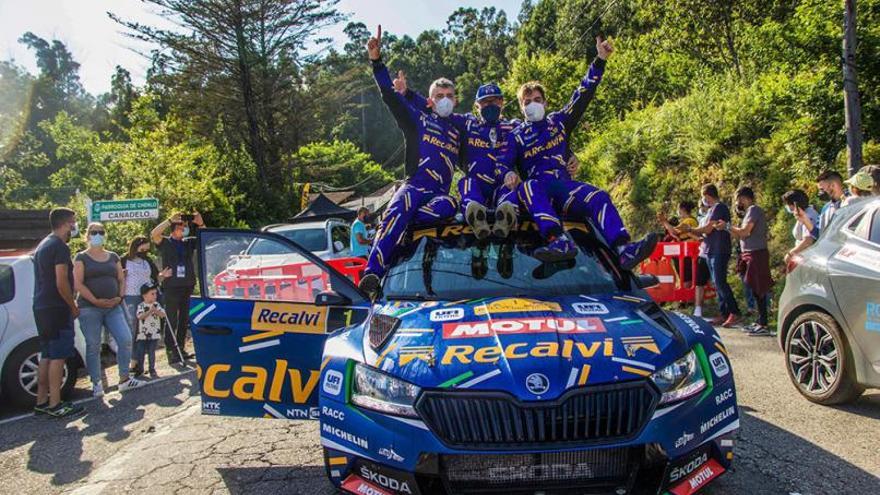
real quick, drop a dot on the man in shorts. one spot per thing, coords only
(54, 312)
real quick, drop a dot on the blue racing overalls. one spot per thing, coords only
(432, 149)
(539, 151)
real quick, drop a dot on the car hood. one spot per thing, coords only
(535, 349)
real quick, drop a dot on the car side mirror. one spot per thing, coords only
(330, 298)
(338, 246)
(647, 281)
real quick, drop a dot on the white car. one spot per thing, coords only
(326, 239)
(19, 345)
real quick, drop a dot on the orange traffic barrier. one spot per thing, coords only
(298, 281)
(675, 266)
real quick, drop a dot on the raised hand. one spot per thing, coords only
(604, 47)
(374, 45)
(572, 165)
(400, 82)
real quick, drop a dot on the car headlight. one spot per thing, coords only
(373, 389)
(680, 380)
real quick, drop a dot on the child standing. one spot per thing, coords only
(149, 315)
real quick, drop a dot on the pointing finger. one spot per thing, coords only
(379, 33)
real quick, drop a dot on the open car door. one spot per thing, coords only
(259, 327)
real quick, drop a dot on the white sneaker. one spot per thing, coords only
(97, 390)
(130, 384)
(698, 311)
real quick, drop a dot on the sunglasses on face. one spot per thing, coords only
(96, 232)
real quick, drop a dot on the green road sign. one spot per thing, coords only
(125, 209)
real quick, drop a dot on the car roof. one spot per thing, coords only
(320, 224)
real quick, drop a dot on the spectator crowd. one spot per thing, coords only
(131, 297)
(744, 238)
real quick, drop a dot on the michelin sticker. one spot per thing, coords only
(333, 382)
(447, 314)
(590, 308)
(719, 364)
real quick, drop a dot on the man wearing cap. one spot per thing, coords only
(539, 148)
(861, 185)
(484, 146)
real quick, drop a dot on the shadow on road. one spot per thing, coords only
(772, 460)
(276, 479)
(58, 444)
(868, 406)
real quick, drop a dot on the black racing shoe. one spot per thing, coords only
(479, 265)
(505, 220)
(41, 408)
(634, 253)
(370, 285)
(546, 270)
(475, 213)
(505, 260)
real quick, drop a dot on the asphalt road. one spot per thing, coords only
(154, 440)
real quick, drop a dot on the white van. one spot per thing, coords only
(19, 345)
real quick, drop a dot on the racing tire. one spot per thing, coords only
(19, 385)
(819, 361)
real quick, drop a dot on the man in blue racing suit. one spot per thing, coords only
(432, 147)
(484, 145)
(538, 148)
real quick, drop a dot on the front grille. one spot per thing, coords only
(487, 420)
(560, 472)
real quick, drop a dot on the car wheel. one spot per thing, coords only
(818, 360)
(20, 374)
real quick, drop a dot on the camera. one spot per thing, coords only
(187, 217)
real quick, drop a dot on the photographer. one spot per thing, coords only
(177, 251)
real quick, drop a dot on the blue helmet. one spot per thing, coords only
(489, 90)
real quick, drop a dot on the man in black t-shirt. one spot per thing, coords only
(54, 311)
(177, 251)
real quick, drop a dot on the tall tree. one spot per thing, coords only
(243, 58)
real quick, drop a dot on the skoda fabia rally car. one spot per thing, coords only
(479, 369)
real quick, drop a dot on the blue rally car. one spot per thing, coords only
(478, 370)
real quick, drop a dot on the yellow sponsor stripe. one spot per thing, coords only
(261, 335)
(384, 353)
(585, 375)
(324, 363)
(337, 461)
(635, 371)
(721, 348)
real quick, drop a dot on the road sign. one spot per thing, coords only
(125, 209)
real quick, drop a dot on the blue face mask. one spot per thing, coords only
(185, 231)
(96, 240)
(491, 113)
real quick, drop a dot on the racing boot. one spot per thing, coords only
(476, 217)
(369, 284)
(632, 254)
(505, 220)
(558, 248)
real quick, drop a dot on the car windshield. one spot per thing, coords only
(311, 239)
(461, 268)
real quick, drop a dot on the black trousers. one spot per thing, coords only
(177, 308)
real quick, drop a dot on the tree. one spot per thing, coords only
(243, 58)
(338, 164)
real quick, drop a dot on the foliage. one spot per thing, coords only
(338, 164)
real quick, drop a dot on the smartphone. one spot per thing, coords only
(187, 217)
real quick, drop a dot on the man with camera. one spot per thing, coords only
(177, 251)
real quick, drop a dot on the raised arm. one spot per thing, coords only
(395, 102)
(572, 112)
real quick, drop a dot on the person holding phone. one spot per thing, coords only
(178, 252)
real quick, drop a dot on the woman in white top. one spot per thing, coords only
(139, 271)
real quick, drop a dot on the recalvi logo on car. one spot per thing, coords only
(292, 318)
(511, 326)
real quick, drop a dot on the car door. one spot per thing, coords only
(260, 324)
(855, 277)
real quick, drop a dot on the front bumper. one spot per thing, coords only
(680, 449)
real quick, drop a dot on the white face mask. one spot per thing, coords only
(96, 240)
(74, 232)
(534, 111)
(443, 106)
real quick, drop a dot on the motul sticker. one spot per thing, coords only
(356, 484)
(699, 479)
(513, 326)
